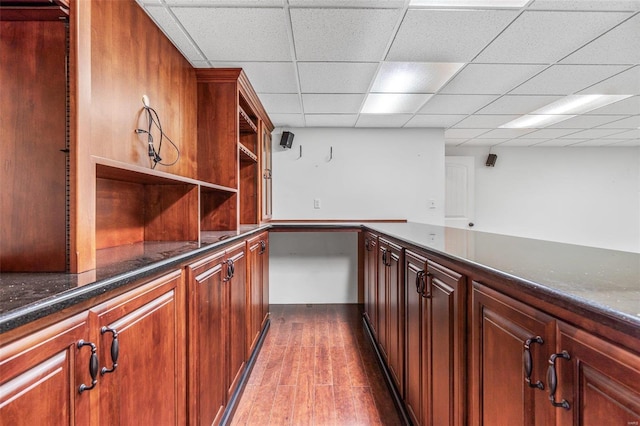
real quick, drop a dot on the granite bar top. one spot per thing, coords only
(25, 297)
(605, 282)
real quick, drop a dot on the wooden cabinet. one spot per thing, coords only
(120, 362)
(390, 313)
(504, 333)
(370, 279)
(267, 182)
(217, 330)
(598, 381)
(434, 342)
(257, 261)
(142, 355)
(40, 375)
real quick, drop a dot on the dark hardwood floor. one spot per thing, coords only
(316, 367)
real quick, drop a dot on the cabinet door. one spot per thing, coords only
(265, 281)
(370, 278)
(237, 323)
(40, 375)
(501, 327)
(146, 325)
(255, 249)
(207, 337)
(266, 175)
(416, 343)
(600, 381)
(395, 311)
(382, 279)
(445, 292)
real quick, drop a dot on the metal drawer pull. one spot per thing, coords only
(115, 350)
(528, 362)
(93, 366)
(552, 379)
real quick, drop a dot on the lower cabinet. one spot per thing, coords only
(257, 273)
(217, 330)
(434, 342)
(530, 368)
(370, 278)
(120, 362)
(40, 376)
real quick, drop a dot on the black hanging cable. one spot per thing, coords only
(154, 120)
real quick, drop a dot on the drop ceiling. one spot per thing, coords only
(315, 63)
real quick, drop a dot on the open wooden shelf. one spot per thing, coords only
(246, 155)
(247, 126)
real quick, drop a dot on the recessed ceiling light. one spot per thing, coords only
(413, 77)
(393, 103)
(468, 3)
(561, 110)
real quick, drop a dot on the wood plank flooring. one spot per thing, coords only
(316, 367)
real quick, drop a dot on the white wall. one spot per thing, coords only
(316, 267)
(588, 196)
(374, 174)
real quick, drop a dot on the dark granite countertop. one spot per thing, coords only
(605, 282)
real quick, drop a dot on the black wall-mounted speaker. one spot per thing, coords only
(286, 140)
(491, 160)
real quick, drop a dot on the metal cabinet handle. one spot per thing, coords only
(367, 244)
(527, 362)
(384, 257)
(115, 350)
(93, 366)
(230, 270)
(263, 247)
(552, 379)
(426, 288)
(420, 282)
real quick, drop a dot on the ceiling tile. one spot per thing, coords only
(586, 5)
(560, 142)
(287, 120)
(625, 38)
(505, 133)
(631, 134)
(175, 33)
(625, 83)
(593, 142)
(549, 133)
(336, 77)
(520, 142)
(626, 123)
(434, 120)
(484, 142)
(585, 121)
(542, 37)
(347, 3)
(484, 121)
(463, 133)
(382, 120)
(566, 79)
(334, 103)
(331, 120)
(446, 35)
(455, 104)
(514, 104)
(200, 63)
(267, 77)
(342, 34)
(233, 3)
(490, 79)
(278, 103)
(629, 106)
(237, 34)
(593, 134)
(454, 142)
(629, 142)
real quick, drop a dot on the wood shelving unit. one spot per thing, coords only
(246, 155)
(247, 125)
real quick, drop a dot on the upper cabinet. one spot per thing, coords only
(78, 177)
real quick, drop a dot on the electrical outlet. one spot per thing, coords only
(432, 204)
(316, 203)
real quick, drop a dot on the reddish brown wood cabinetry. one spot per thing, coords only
(40, 375)
(434, 342)
(370, 279)
(257, 264)
(390, 304)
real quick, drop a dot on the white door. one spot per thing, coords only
(459, 191)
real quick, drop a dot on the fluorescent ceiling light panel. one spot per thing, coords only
(468, 3)
(561, 110)
(413, 77)
(531, 121)
(393, 103)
